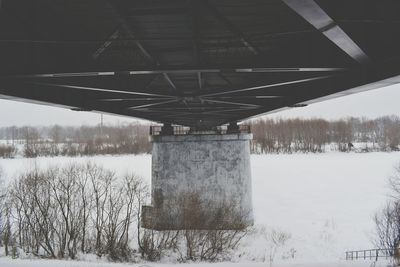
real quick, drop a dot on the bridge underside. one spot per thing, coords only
(196, 63)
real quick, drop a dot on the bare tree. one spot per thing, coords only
(387, 221)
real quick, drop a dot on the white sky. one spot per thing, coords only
(371, 104)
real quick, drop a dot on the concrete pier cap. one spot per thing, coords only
(200, 181)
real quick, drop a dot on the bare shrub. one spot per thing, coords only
(155, 243)
(211, 245)
(201, 230)
(278, 239)
(7, 151)
(62, 211)
(273, 240)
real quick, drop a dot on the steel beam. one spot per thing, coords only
(247, 97)
(231, 27)
(157, 11)
(94, 89)
(195, 30)
(153, 104)
(231, 103)
(200, 80)
(128, 29)
(160, 39)
(106, 44)
(133, 99)
(268, 86)
(317, 17)
(175, 70)
(196, 39)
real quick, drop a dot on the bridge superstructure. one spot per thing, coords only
(198, 63)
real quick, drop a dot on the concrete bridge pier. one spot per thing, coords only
(200, 181)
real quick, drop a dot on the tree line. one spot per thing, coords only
(74, 141)
(269, 136)
(318, 135)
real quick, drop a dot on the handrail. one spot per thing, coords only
(369, 254)
(183, 130)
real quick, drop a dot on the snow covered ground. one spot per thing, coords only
(325, 201)
(7, 262)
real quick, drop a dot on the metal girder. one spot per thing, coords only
(133, 99)
(195, 109)
(223, 78)
(107, 43)
(196, 39)
(231, 103)
(317, 17)
(143, 39)
(189, 116)
(246, 97)
(231, 27)
(168, 79)
(128, 29)
(175, 70)
(157, 11)
(94, 89)
(73, 103)
(154, 104)
(195, 30)
(268, 86)
(200, 80)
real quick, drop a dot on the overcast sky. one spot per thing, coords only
(372, 104)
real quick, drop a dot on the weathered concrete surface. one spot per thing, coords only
(200, 182)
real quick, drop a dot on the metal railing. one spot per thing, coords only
(177, 130)
(374, 254)
(242, 128)
(183, 130)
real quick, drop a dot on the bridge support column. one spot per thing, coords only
(200, 181)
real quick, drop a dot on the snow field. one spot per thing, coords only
(325, 201)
